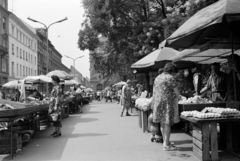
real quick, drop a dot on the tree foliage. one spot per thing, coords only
(133, 29)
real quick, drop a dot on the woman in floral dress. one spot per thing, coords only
(126, 97)
(165, 91)
(55, 105)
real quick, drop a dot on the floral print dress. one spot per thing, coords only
(127, 95)
(163, 99)
(56, 93)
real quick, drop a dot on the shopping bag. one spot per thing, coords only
(176, 118)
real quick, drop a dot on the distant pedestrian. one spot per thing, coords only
(127, 95)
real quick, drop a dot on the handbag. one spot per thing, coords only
(53, 117)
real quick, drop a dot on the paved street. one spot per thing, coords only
(100, 134)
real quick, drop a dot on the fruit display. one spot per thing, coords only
(37, 102)
(194, 100)
(6, 107)
(212, 112)
(223, 111)
(143, 103)
(200, 115)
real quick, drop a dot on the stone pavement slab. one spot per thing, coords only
(100, 134)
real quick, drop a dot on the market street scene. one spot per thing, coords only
(114, 80)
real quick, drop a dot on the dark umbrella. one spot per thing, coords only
(220, 20)
(157, 59)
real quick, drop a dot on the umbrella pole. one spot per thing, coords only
(234, 77)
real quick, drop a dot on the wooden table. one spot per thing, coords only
(205, 138)
(20, 111)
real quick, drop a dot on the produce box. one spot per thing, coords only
(199, 107)
(20, 108)
(5, 144)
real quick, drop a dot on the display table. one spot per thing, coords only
(205, 138)
(199, 107)
(19, 111)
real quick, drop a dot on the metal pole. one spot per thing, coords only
(11, 139)
(234, 77)
(47, 60)
(74, 69)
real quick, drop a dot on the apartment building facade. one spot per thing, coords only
(22, 49)
(4, 69)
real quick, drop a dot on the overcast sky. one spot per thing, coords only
(64, 36)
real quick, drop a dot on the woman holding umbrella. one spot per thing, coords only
(55, 105)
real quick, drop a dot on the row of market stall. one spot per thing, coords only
(210, 36)
(20, 120)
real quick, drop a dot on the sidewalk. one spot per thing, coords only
(100, 134)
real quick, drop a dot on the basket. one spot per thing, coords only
(54, 117)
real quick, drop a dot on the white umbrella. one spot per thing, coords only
(88, 90)
(70, 82)
(120, 83)
(15, 84)
(61, 74)
(83, 87)
(38, 79)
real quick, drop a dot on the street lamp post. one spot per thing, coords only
(74, 63)
(46, 31)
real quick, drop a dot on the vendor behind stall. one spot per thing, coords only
(216, 83)
(35, 95)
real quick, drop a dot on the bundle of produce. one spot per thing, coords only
(194, 100)
(6, 107)
(225, 112)
(143, 103)
(200, 115)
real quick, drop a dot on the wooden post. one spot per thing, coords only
(214, 141)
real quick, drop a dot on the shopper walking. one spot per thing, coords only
(55, 105)
(165, 91)
(126, 98)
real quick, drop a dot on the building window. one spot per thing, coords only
(26, 56)
(4, 24)
(13, 69)
(4, 4)
(20, 70)
(20, 36)
(35, 61)
(31, 58)
(17, 34)
(17, 51)
(23, 71)
(31, 72)
(20, 53)
(12, 30)
(12, 49)
(23, 55)
(4, 65)
(17, 69)
(26, 72)
(4, 42)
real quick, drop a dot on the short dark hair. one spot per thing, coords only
(55, 78)
(160, 70)
(170, 68)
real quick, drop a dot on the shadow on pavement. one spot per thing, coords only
(185, 148)
(180, 142)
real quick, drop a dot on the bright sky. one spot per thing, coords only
(64, 36)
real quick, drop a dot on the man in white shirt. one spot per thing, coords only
(98, 95)
(108, 96)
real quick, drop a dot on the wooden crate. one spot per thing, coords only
(205, 142)
(5, 145)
